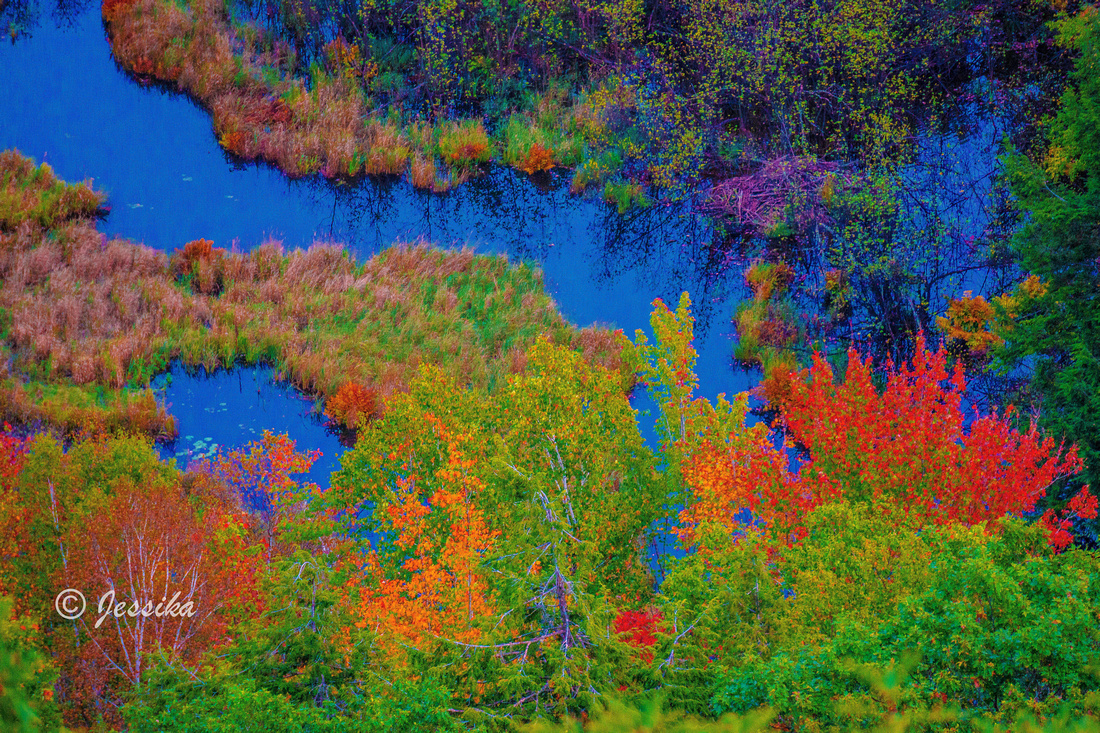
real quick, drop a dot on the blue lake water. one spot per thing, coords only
(227, 409)
(168, 182)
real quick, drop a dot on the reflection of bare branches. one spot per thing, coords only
(668, 249)
(900, 269)
(19, 18)
(358, 212)
(67, 11)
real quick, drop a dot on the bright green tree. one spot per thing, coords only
(1055, 334)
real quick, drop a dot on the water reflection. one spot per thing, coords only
(905, 243)
(168, 183)
(20, 18)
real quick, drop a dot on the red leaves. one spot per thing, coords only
(1084, 504)
(14, 539)
(150, 547)
(263, 468)
(113, 8)
(260, 476)
(1058, 524)
(638, 628)
(909, 445)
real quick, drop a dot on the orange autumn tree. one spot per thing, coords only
(408, 493)
(432, 583)
(258, 477)
(352, 402)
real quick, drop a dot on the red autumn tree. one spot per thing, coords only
(177, 573)
(13, 515)
(908, 448)
(911, 445)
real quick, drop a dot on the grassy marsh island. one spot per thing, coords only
(88, 321)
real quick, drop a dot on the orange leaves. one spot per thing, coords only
(970, 321)
(538, 158)
(198, 249)
(236, 142)
(352, 402)
(434, 583)
(980, 325)
(406, 516)
(204, 262)
(746, 474)
(472, 151)
(344, 58)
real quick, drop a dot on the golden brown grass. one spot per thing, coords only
(325, 128)
(33, 193)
